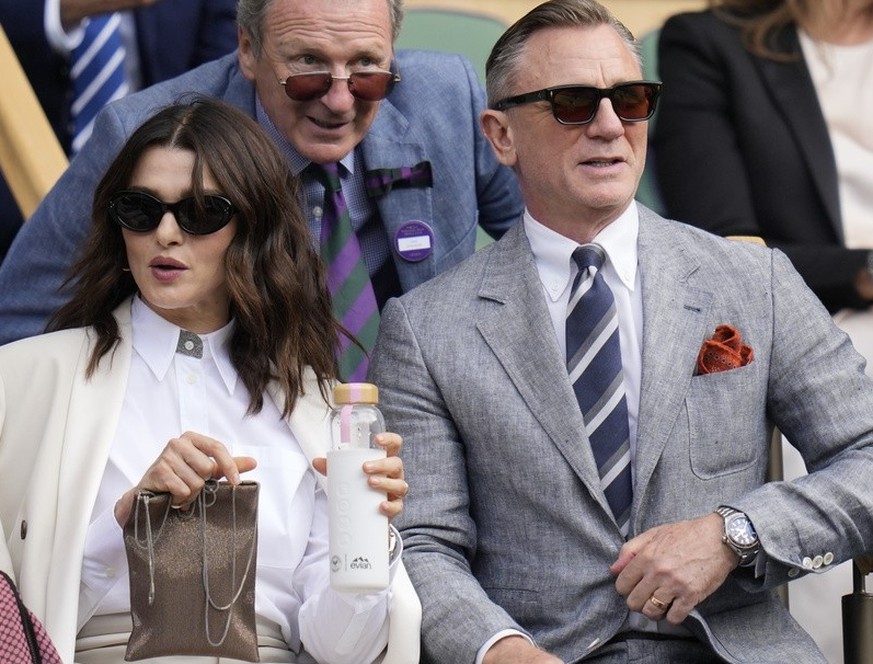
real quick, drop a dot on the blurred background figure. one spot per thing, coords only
(765, 127)
(125, 45)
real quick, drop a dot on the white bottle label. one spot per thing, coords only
(358, 530)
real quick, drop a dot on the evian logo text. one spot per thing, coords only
(360, 563)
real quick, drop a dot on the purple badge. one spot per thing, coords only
(414, 241)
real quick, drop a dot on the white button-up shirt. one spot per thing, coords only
(170, 393)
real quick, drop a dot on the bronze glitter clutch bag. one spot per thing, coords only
(192, 574)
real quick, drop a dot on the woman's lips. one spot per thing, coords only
(166, 269)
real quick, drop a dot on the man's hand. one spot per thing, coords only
(668, 570)
(517, 650)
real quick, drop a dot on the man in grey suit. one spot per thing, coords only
(637, 527)
(314, 75)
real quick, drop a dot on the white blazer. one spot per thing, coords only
(56, 429)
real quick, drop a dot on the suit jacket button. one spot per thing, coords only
(817, 561)
(828, 558)
(807, 563)
(23, 530)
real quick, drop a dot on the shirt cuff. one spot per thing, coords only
(61, 41)
(480, 655)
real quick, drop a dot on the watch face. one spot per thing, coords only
(740, 531)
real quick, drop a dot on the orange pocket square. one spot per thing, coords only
(724, 351)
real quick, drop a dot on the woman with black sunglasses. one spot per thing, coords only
(198, 343)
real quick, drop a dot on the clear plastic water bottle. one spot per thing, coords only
(358, 530)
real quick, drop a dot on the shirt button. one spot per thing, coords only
(23, 529)
(189, 345)
(110, 572)
(191, 379)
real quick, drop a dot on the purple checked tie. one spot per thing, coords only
(96, 74)
(354, 303)
(594, 365)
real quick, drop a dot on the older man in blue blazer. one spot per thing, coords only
(587, 403)
(428, 124)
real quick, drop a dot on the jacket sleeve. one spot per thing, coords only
(439, 533)
(821, 400)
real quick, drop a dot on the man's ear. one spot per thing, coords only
(498, 131)
(247, 59)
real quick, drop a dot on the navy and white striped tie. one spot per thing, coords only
(594, 365)
(97, 74)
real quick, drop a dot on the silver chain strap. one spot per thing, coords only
(206, 498)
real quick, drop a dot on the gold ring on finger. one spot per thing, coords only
(658, 604)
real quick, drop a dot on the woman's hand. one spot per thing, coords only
(387, 474)
(383, 474)
(182, 469)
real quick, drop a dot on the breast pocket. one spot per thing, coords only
(285, 503)
(726, 421)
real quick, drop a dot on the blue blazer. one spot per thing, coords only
(432, 114)
(173, 36)
(198, 30)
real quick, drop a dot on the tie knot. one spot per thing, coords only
(589, 255)
(327, 174)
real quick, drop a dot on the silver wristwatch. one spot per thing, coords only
(739, 535)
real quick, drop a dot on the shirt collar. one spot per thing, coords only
(155, 340)
(553, 251)
(296, 161)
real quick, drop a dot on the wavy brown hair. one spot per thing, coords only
(276, 280)
(760, 21)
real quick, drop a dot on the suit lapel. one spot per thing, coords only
(674, 323)
(86, 446)
(519, 332)
(308, 421)
(389, 144)
(794, 94)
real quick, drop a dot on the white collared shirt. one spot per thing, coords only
(553, 258)
(169, 393)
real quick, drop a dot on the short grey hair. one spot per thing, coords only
(507, 55)
(250, 16)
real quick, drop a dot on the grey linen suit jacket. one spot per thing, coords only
(432, 114)
(506, 526)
